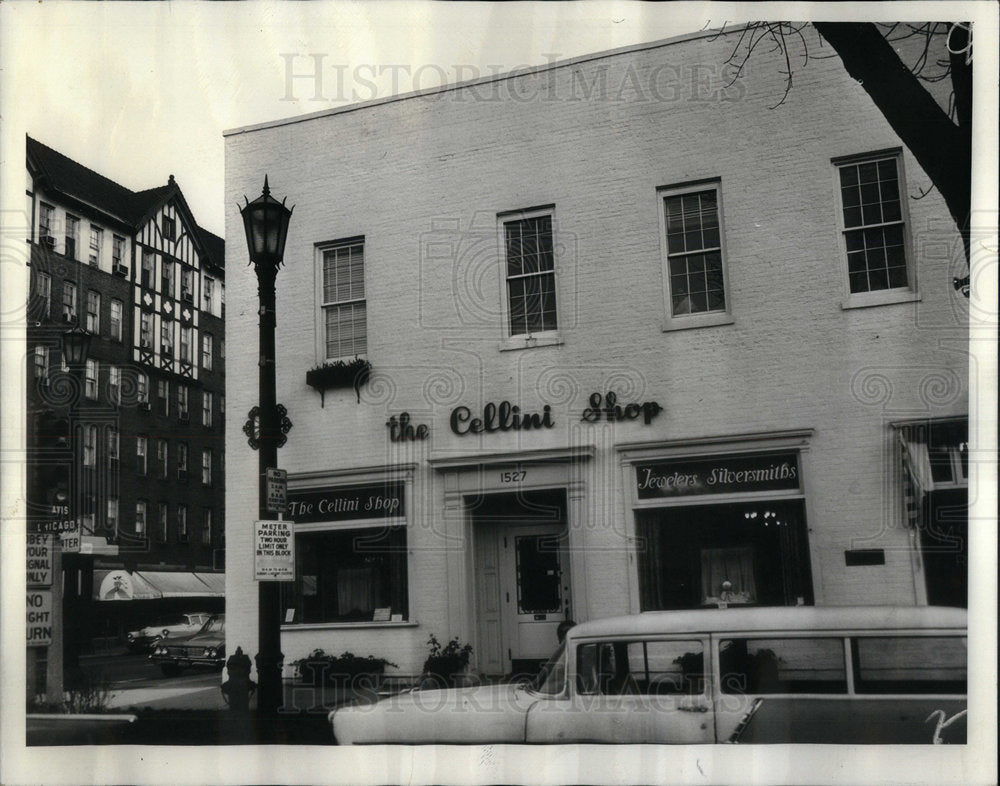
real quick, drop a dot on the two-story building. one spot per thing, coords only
(132, 442)
(638, 340)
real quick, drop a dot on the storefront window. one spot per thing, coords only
(345, 575)
(752, 553)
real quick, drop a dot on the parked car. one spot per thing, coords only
(164, 627)
(855, 675)
(205, 648)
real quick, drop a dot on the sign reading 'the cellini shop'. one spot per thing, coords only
(346, 504)
(718, 475)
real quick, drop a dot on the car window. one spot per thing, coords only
(214, 625)
(552, 677)
(782, 665)
(624, 668)
(910, 664)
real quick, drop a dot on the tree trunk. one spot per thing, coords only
(941, 147)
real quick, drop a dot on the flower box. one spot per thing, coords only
(339, 374)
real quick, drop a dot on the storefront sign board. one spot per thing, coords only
(39, 618)
(346, 504)
(274, 551)
(717, 475)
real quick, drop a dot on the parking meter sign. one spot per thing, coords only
(277, 490)
(274, 551)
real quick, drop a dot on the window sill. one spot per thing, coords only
(346, 625)
(885, 297)
(670, 324)
(549, 339)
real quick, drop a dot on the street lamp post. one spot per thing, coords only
(266, 223)
(75, 347)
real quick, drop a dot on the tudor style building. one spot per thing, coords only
(637, 341)
(136, 453)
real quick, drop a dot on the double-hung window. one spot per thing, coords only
(168, 228)
(111, 522)
(140, 455)
(46, 218)
(43, 291)
(72, 233)
(206, 530)
(115, 385)
(163, 394)
(142, 389)
(167, 337)
(206, 351)
(96, 235)
(187, 283)
(90, 379)
(113, 445)
(163, 533)
(695, 276)
(167, 278)
(527, 240)
(140, 518)
(182, 460)
(147, 268)
(69, 302)
(145, 330)
(343, 299)
(117, 250)
(89, 446)
(42, 363)
(162, 454)
(182, 523)
(116, 319)
(93, 312)
(182, 401)
(206, 408)
(206, 467)
(208, 288)
(874, 229)
(187, 348)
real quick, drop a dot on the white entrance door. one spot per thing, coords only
(534, 592)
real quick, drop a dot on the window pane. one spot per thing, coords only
(911, 664)
(538, 574)
(791, 665)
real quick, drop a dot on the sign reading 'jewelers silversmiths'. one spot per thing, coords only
(717, 475)
(274, 551)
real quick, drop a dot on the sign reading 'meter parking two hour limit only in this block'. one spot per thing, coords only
(274, 551)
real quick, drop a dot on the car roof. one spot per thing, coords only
(774, 618)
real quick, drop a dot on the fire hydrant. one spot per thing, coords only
(239, 687)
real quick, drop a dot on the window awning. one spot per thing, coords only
(150, 585)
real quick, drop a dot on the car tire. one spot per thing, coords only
(170, 669)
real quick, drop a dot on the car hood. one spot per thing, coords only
(494, 713)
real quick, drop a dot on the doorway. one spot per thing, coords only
(522, 577)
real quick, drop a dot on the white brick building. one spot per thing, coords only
(623, 223)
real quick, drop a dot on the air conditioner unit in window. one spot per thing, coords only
(121, 270)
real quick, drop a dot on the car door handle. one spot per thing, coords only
(698, 708)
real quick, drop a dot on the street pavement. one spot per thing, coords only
(134, 681)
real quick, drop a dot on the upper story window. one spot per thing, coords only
(116, 319)
(89, 445)
(187, 348)
(111, 523)
(343, 299)
(46, 219)
(140, 517)
(182, 460)
(206, 467)
(72, 233)
(114, 385)
(167, 277)
(695, 277)
(96, 234)
(140, 455)
(117, 250)
(41, 362)
(167, 337)
(113, 444)
(93, 312)
(69, 302)
(142, 389)
(163, 393)
(187, 284)
(90, 379)
(208, 290)
(147, 268)
(206, 530)
(874, 229)
(182, 523)
(43, 291)
(168, 228)
(145, 330)
(529, 270)
(206, 408)
(162, 534)
(206, 351)
(182, 401)
(162, 453)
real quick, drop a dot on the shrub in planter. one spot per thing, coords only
(444, 663)
(340, 374)
(344, 670)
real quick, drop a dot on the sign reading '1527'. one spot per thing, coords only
(718, 475)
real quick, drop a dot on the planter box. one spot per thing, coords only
(352, 374)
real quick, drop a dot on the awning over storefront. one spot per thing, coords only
(151, 585)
